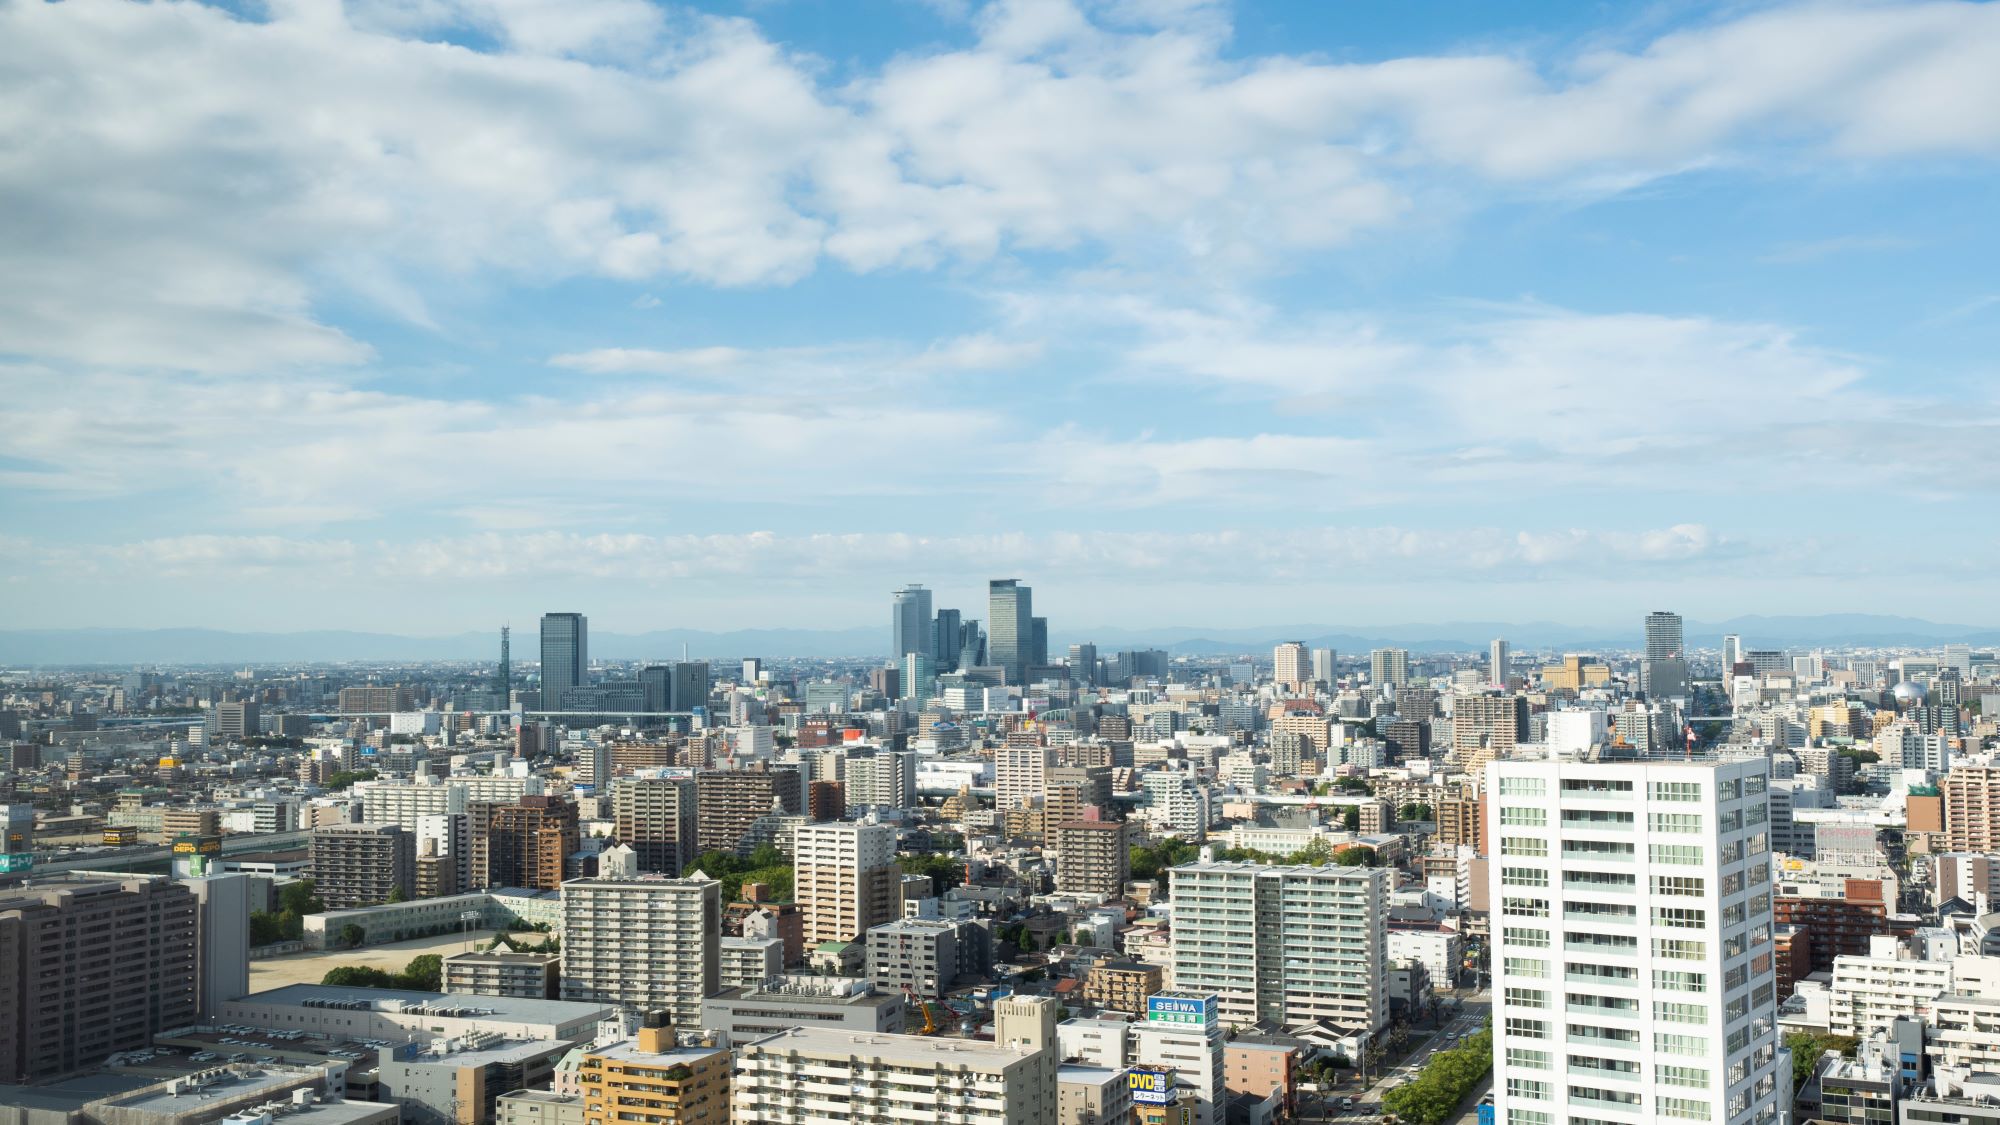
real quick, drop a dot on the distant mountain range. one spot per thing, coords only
(211, 646)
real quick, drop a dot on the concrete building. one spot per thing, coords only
(750, 961)
(1284, 943)
(222, 931)
(1893, 979)
(523, 844)
(808, 1076)
(1291, 665)
(647, 943)
(1183, 1032)
(653, 1080)
(459, 1080)
(844, 1004)
(1092, 857)
(731, 801)
(1020, 775)
(1122, 986)
(924, 957)
(1092, 1095)
(1389, 666)
(1971, 794)
(1634, 968)
(91, 965)
(401, 1015)
(658, 818)
(503, 973)
(363, 864)
(845, 879)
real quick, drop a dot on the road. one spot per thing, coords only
(1368, 1105)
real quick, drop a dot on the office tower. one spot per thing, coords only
(503, 681)
(656, 687)
(753, 669)
(1634, 968)
(91, 965)
(845, 879)
(222, 934)
(919, 679)
(910, 621)
(362, 864)
(376, 700)
(1663, 636)
(1091, 857)
(1291, 664)
(1389, 666)
(236, 721)
(731, 801)
(947, 639)
(1323, 665)
(1732, 652)
(1038, 642)
(690, 687)
(657, 817)
(814, 1075)
(1284, 943)
(643, 941)
(1010, 627)
(972, 645)
(1083, 665)
(1020, 775)
(1496, 662)
(1485, 727)
(565, 657)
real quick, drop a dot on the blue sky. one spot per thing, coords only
(421, 314)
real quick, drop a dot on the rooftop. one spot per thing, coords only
(916, 1049)
(396, 1001)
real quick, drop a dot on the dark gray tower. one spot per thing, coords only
(565, 656)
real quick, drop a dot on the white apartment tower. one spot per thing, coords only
(646, 942)
(1291, 664)
(1633, 971)
(1284, 943)
(813, 1075)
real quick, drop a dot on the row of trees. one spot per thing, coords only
(424, 973)
(341, 779)
(946, 871)
(1433, 1095)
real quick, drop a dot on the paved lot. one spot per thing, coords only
(308, 968)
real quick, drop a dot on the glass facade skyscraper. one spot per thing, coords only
(1010, 628)
(565, 656)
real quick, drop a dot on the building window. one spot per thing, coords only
(1675, 790)
(1528, 1088)
(1528, 846)
(1690, 886)
(1673, 1043)
(1537, 939)
(1519, 1028)
(1680, 949)
(1685, 854)
(1527, 997)
(1527, 1058)
(1673, 1011)
(1681, 917)
(1523, 787)
(1525, 907)
(1687, 1109)
(1674, 821)
(1669, 1074)
(1523, 816)
(1674, 980)
(1524, 967)
(1524, 876)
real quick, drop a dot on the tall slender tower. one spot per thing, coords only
(910, 621)
(1496, 663)
(1010, 625)
(504, 682)
(565, 656)
(1664, 636)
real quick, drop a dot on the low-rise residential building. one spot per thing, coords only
(502, 973)
(807, 1076)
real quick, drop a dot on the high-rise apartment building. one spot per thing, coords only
(731, 801)
(1971, 794)
(526, 843)
(1291, 664)
(372, 700)
(1323, 665)
(1010, 630)
(1389, 666)
(91, 965)
(1634, 969)
(1497, 656)
(1020, 775)
(1284, 943)
(646, 942)
(910, 623)
(810, 1075)
(565, 656)
(1664, 640)
(1091, 857)
(362, 864)
(845, 879)
(1486, 726)
(657, 816)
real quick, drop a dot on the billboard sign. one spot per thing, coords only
(1196, 1010)
(1150, 1085)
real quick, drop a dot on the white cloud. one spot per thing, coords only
(1290, 555)
(187, 189)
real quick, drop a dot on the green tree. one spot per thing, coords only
(1356, 856)
(1315, 854)
(351, 936)
(1807, 1050)
(424, 973)
(945, 871)
(1351, 819)
(341, 779)
(358, 976)
(299, 897)
(265, 928)
(396, 894)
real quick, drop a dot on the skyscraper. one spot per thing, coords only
(1663, 636)
(1038, 642)
(1290, 664)
(1323, 665)
(1496, 662)
(565, 656)
(1634, 975)
(845, 879)
(1732, 652)
(1083, 664)
(909, 621)
(919, 678)
(1010, 629)
(947, 640)
(503, 683)
(1389, 666)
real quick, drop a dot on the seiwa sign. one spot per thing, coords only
(1180, 1009)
